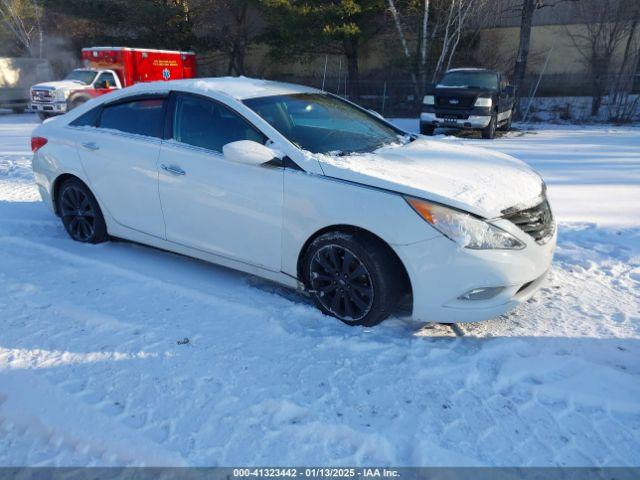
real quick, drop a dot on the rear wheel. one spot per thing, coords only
(354, 278)
(489, 132)
(80, 213)
(426, 129)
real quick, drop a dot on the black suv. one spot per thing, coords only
(469, 98)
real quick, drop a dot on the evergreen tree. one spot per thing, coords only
(300, 28)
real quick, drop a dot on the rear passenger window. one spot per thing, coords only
(207, 124)
(88, 119)
(141, 117)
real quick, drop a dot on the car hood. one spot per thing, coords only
(470, 178)
(59, 85)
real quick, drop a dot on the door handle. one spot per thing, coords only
(173, 169)
(91, 146)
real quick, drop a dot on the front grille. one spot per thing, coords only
(536, 221)
(454, 101)
(454, 116)
(42, 96)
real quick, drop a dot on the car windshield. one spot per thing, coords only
(321, 123)
(470, 79)
(82, 76)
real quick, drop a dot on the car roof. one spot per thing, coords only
(240, 88)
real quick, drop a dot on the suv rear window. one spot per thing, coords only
(140, 117)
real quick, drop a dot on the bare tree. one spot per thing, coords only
(403, 41)
(608, 26)
(420, 54)
(623, 106)
(22, 18)
(520, 67)
(455, 23)
(230, 26)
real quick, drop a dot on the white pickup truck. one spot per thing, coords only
(80, 85)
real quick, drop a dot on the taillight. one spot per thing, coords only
(37, 143)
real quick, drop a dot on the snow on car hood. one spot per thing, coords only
(60, 85)
(474, 179)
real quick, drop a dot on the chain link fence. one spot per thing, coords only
(565, 98)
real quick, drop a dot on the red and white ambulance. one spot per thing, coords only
(106, 69)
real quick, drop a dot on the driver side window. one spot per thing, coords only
(207, 124)
(105, 80)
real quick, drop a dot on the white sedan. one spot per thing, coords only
(303, 188)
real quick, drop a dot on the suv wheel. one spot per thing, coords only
(426, 129)
(80, 213)
(353, 278)
(489, 132)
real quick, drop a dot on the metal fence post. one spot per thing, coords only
(384, 95)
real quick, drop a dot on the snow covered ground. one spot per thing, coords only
(122, 354)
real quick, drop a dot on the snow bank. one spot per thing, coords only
(94, 369)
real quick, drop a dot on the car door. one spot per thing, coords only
(213, 204)
(120, 158)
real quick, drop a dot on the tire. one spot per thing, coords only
(18, 110)
(80, 213)
(489, 132)
(76, 102)
(330, 269)
(426, 129)
(43, 116)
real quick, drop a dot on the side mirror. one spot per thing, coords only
(509, 90)
(248, 151)
(373, 112)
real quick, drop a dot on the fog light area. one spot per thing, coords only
(484, 293)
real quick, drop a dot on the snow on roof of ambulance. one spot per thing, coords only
(131, 49)
(240, 88)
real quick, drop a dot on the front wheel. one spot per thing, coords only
(80, 213)
(489, 132)
(426, 129)
(354, 278)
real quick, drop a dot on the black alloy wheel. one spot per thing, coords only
(80, 213)
(353, 276)
(342, 283)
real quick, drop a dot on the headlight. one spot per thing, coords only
(428, 100)
(483, 102)
(463, 228)
(60, 94)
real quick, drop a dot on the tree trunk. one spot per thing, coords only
(519, 70)
(596, 102)
(423, 40)
(351, 52)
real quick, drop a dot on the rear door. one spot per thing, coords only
(120, 159)
(213, 204)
